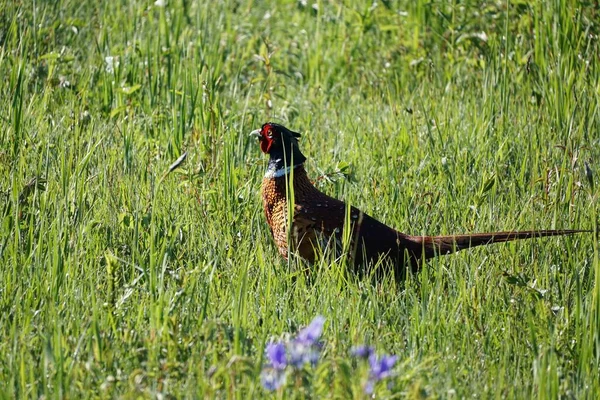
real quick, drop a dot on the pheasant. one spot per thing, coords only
(318, 220)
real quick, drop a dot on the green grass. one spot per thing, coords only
(118, 284)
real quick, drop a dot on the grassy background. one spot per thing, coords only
(450, 117)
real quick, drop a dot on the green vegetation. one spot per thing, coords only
(443, 118)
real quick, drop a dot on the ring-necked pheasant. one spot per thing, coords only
(318, 220)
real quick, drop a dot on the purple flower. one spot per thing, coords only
(273, 375)
(362, 351)
(276, 355)
(381, 367)
(305, 348)
(272, 378)
(370, 387)
(312, 332)
(302, 353)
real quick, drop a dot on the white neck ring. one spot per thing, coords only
(279, 172)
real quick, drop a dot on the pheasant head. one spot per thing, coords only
(281, 144)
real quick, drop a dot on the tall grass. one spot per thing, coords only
(446, 117)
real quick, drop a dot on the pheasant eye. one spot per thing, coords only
(268, 132)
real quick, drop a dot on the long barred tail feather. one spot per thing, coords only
(440, 245)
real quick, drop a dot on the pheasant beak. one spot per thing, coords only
(256, 133)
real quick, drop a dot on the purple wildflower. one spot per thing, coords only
(276, 355)
(305, 348)
(362, 351)
(302, 353)
(370, 387)
(273, 375)
(312, 332)
(272, 378)
(381, 367)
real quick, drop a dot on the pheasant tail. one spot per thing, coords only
(440, 245)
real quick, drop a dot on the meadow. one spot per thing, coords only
(121, 278)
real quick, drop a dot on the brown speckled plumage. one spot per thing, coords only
(314, 212)
(318, 220)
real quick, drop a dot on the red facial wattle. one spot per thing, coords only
(266, 138)
(265, 144)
